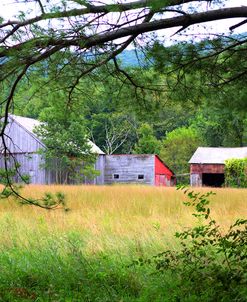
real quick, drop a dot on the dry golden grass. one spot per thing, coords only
(124, 218)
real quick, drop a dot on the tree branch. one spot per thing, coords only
(85, 42)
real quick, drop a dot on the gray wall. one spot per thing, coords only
(23, 147)
(128, 167)
(29, 165)
(196, 180)
(32, 164)
(100, 166)
(21, 140)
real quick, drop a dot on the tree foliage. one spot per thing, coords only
(178, 147)
(236, 173)
(147, 143)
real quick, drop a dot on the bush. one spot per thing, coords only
(235, 173)
(211, 265)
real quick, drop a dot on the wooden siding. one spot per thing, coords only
(207, 168)
(196, 179)
(21, 140)
(100, 166)
(23, 145)
(128, 167)
(196, 171)
(33, 166)
(30, 164)
(163, 175)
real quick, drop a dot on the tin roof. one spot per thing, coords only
(206, 155)
(29, 124)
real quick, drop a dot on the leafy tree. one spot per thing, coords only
(90, 38)
(236, 172)
(178, 146)
(68, 152)
(147, 142)
(221, 127)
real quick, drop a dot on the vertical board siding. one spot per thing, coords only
(196, 180)
(100, 166)
(21, 141)
(23, 147)
(128, 167)
(30, 164)
(163, 175)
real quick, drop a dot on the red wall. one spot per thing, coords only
(207, 168)
(160, 171)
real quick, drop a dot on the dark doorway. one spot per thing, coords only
(213, 180)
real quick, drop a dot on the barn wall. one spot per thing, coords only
(32, 165)
(195, 179)
(100, 166)
(54, 175)
(21, 140)
(207, 168)
(163, 175)
(128, 167)
(24, 146)
(196, 171)
(29, 165)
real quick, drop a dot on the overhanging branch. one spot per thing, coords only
(85, 42)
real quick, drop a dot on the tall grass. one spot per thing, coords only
(81, 255)
(120, 218)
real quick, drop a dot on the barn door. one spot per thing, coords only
(160, 180)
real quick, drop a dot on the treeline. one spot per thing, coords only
(170, 107)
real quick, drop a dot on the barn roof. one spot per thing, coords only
(29, 125)
(205, 155)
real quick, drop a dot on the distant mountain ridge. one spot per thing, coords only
(132, 58)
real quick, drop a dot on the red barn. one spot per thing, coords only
(207, 165)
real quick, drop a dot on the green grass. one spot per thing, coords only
(86, 254)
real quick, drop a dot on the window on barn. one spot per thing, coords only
(116, 176)
(140, 176)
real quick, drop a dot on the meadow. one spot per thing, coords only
(85, 254)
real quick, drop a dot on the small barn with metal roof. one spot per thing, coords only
(146, 169)
(207, 165)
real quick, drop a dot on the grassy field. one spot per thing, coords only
(83, 254)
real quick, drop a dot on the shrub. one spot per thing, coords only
(235, 172)
(211, 265)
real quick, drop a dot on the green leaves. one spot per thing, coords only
(178, 146)
(236, 172)
(147, 143)
(208, 257)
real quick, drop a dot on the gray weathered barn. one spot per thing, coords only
(24, 145)
(207, 165)
(137, 168)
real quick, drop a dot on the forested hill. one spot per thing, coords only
(132, 58)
